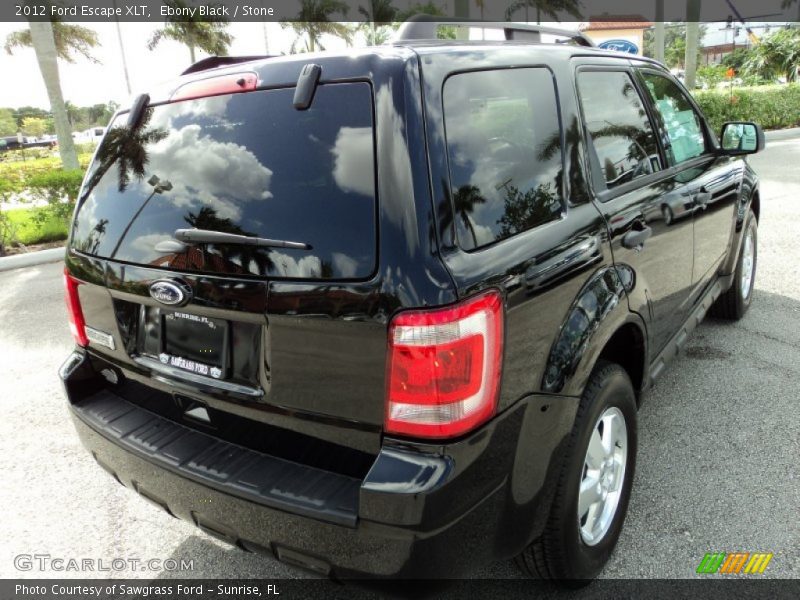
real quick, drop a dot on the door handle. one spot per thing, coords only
(701, 199)
(637, 237)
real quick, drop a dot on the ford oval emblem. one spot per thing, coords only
(619, 46)
(173, 293)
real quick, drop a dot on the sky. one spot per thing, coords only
(85, 83)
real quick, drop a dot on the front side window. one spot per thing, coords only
(504, 151)
(618, 126)
(681, 122)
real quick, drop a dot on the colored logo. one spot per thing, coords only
(170, 292)
(735, 563)
(619, 46)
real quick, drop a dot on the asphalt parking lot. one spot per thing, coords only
(718, 448)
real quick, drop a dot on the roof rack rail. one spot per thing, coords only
(213, 62)
(423, 27)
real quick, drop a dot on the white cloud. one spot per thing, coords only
(287, 266)
(203, 171)
(146, 243)
(345, 266)
(353, 168)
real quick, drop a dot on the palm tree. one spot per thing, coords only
(122, 50)
(49, 46)
(523, 211)
(692, 39)
(52, 41)
(377, 12)
(207, 218)
(776, 55)
(314, 20)
(788, 3)
(659, 31)
(70, 40)
(550, 8)
(466, 198)
(208, 34)
(264, 31)
(573, 138)
(480, 4)
(429, 8)
(127, 148)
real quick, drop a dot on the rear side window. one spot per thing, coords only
(504, 152)
(681, 122)
(618, 126)
(247, 164)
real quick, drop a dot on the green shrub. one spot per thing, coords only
(59, 189)
(771, 106)
(25, 226)
(85, 148)
(712, 75)
(41, 180)
(7, 231)
(16, 172)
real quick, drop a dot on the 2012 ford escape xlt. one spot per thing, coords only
(392, 311)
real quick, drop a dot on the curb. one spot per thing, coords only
(31, 259)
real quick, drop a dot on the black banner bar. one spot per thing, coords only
(709, 588)
(358, 11)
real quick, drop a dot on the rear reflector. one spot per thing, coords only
(443, 372)
(76, 323)
(214, 86)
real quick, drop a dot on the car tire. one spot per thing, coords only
(733, 304)
(564, 552)
(666, 213)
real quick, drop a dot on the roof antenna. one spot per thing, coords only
(306, 86)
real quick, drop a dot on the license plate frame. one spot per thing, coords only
(195, 343)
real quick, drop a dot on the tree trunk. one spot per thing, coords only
(692, 34)
(45, 47)
(690, 59)
(659, 32)
(191, 53)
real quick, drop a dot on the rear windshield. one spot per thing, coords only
(248, 164)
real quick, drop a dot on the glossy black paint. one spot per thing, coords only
(315, 333)
(418, 505)
(543, 270)
(315, 350)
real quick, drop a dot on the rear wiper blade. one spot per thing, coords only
(206, 236)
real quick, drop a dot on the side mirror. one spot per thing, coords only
(742, 137)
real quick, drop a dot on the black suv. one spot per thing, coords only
(392, 311)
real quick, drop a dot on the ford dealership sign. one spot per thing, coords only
(619, 46)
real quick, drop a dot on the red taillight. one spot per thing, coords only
(443, 373)
(76, 323)
(213, 86)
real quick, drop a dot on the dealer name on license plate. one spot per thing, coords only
(190, 365)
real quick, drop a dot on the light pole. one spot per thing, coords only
(122, 50)
(159, 187)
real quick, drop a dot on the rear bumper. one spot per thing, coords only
(421, 511)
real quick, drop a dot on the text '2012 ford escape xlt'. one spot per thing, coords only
(391, 312)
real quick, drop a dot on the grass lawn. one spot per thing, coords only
(26, 231)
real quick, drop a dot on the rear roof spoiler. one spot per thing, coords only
(424, 27)
(212, 62)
